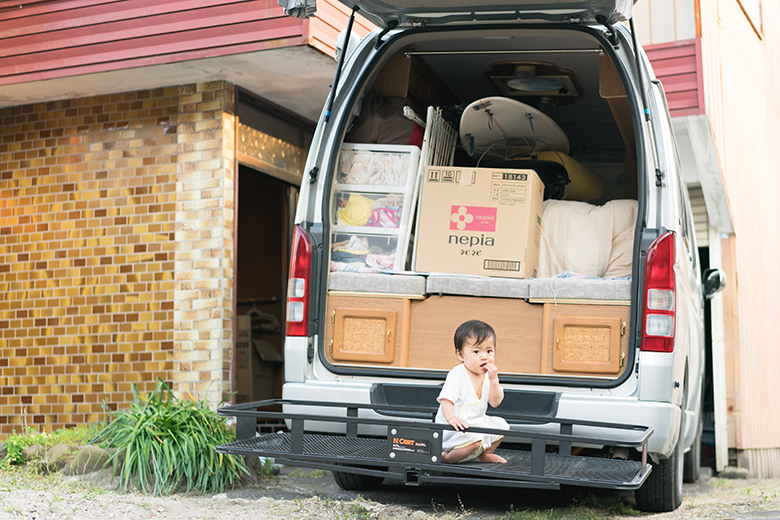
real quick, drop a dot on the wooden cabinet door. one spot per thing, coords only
(586, 344)
(364, 335)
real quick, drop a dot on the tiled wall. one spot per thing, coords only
(115, 251)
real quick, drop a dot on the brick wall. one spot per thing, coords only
(204, 240)
(115, 251)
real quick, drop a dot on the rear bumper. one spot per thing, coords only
(664, 418)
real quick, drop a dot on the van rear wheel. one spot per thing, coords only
(353, 482)
(662, 491)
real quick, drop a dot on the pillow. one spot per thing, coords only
(576, 236)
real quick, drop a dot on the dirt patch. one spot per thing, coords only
(299, 493)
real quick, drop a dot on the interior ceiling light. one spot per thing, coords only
(528, 80)
(535, 79)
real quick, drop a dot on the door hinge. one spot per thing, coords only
(622, 359)
(330, 348)
(333, 318)
(622, 328)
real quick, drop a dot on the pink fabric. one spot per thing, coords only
(385, 217)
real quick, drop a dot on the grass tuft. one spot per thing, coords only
(162, 444)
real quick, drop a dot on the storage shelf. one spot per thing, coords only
(378, 170)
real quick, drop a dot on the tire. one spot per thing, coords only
(353, 482)
(692, 459)
(662, 491)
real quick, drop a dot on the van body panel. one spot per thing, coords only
(295, 359)
(657, 376)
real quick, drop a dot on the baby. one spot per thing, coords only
(464, 398)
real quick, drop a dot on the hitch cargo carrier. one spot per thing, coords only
(410, 450)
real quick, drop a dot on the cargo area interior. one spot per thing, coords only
(488, 99)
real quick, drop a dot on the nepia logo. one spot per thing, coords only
(473, 218)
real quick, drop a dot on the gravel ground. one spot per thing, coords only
(313, 494)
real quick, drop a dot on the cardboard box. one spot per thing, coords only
(256, 364)
(480, 221)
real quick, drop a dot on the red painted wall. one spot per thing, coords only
(679, 67)
(44, 40)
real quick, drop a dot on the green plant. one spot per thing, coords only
(17, 442)
(265, 467)
(356, 510)
(15, 445)
(163, 444)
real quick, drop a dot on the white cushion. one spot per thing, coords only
(580, 289)
(376, 283)
(478, 286)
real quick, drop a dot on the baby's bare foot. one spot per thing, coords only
(491, 457)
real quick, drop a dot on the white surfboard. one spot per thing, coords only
(493, 119)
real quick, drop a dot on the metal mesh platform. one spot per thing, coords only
(564, 469)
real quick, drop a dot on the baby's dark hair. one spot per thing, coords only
(479, 330)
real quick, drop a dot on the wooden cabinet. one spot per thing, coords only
(367, 330)
(412, 78)
(563, 339)
(584, 339)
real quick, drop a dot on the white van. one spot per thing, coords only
(599, 315)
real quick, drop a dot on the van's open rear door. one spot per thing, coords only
(400, 13)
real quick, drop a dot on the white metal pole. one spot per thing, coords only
(719, 361)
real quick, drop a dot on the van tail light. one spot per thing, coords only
(659, 295)
(299, 284)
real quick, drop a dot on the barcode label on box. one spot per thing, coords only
(500, 265)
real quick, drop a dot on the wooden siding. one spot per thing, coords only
(330, 19)
(741, 72)
(678, 66)
(57, 39)
(665, 21)
(47, 40)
